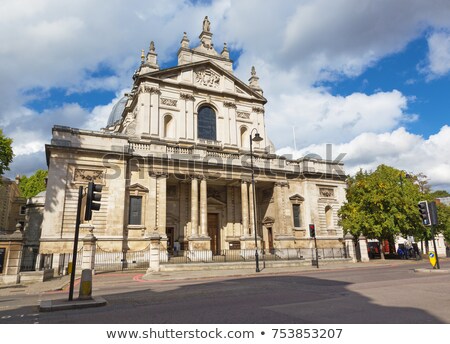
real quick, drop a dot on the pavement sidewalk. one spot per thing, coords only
(62, 282)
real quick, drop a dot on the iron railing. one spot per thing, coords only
(119, 261)
(224, 256)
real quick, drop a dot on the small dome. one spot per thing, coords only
(116, 112)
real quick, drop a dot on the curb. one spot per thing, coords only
(61, 305)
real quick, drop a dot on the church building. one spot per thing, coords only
(186, 154)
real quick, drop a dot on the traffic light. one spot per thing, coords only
(93, 197)
(433, 213)
(312, 231)
(424, 212)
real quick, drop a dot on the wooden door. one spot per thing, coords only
(214, 233)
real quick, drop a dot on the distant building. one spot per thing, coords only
(12, 206)
(443, 200)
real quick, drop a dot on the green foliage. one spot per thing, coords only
(444, 220)
(31, 186)
(383, 204)
(6, 153)
(439, 194)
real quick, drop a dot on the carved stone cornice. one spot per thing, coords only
(88, 175)
(187, 96)
(243, 115)
(282, 183)
(229, 105)
(258, 109)
(169, 102)
(148, 89)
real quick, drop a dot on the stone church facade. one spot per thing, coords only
(175, 158)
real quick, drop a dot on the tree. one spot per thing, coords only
(382, 204)
(31, 186)
(444, 221)
(439, 194)
(6, 153)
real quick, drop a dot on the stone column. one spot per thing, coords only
(194, 207)
(89, 247)
(155, 242)
(350, 247)
(251, 209)
(203, 208)
(154, 110)
(162, 204)
(363, 248)
(151, 202)
(280, 208)
(244, 202)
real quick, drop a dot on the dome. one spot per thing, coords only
(117, 110)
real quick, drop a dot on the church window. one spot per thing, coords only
(296, 215)
(135, 210)
(207, 123)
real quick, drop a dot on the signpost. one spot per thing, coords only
(432, 258)
(428, 212)
(312, 234)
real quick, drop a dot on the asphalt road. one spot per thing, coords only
(364, 295)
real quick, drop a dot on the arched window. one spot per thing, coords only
(169, 126)
(206, 123)
(245, 139)
(329, 216)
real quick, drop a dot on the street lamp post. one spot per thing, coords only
(257, 138)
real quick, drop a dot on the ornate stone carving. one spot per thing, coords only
(207, 78)
(84, 175)
(187, 96)
(230, 105)
(244, 115)
(148, 89)
(169, 102)
(129, 119)
(326, 192)
(238, 90)
(258, 109)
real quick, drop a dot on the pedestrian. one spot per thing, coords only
(400, 253)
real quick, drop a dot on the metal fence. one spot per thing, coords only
(29, 258)
(224, 256)
(66, 258)
(119, 261)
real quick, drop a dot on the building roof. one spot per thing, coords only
(117, 110)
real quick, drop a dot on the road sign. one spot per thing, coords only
(432, 257)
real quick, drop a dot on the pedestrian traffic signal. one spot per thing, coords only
(93, 197)
(312, 231)
(424, 212)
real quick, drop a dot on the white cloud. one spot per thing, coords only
(438, 55)
(398, 148)
(321, 117)
(51, 44)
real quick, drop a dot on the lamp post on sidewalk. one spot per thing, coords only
(256, 138)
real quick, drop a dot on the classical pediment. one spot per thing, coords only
(296, 197)
(205, 75)
(137, 187)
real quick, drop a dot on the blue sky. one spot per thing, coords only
(370, 77)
